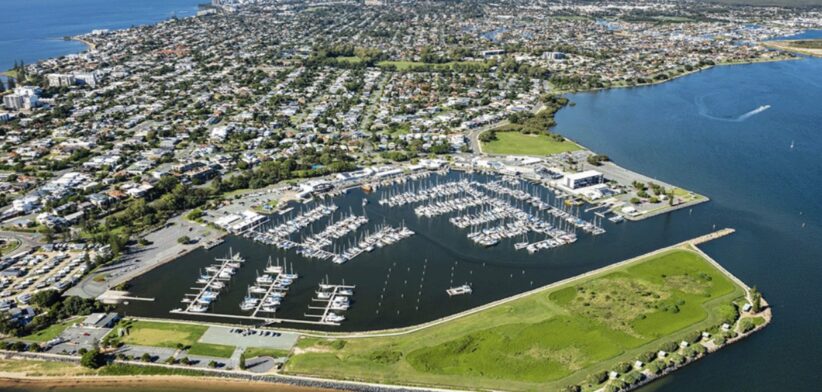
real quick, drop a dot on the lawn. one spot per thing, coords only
(403, 65)
(545, 340)
(34, 368)
(349, 59)
(158, 334)
(252, 352)
(211, 350)
(516, 143)
(49, 333)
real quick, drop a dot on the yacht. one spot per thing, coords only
(334, 318)
(464, 289)
(265, 279)
(249, 303)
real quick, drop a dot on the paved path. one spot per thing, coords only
(27, 240)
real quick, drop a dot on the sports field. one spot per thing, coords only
(548, 339)
(516, 143)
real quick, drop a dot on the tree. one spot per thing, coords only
(756, 300)
(146, 357)
(184, 239)
(92, 359)
(46, 298)
(242, 361)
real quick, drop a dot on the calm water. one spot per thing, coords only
(33, 30)
(404, 283)
(698, 132)
(726, 133)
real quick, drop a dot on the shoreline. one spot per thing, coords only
(681, 75)
(186, 382)
(297, 382)
(787, 46)
(690, 245)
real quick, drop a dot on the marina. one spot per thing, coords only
(431, 233)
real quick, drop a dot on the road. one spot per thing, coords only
(27, 240)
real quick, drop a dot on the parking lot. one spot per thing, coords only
(242, 337)
(77, 337)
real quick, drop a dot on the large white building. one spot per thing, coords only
(25, 97)
(583, 179)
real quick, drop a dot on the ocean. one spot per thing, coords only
(747, 136)
(34, 30)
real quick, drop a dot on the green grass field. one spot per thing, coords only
(349, 59)
(403, 65)
(49, 333)
(156, 334)
(545, 340)
(211, 350)
(252, 352)
(516, 143)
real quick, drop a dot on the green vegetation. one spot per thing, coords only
(252, 352)
(92, 359)
(141, 370)
(49, 333)
(8, 246)
(158, 334)
(807, 43)
(52, 308)
(31, 367)
(211, 350)
(515, 143)
(547, 340)
(462, 66)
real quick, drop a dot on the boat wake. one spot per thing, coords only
(703, 111)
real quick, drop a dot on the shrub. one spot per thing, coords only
(92, 359)
(746, 325)
(623, 368)
(598, 378)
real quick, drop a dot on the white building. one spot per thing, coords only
(583, 179)
(60, 80)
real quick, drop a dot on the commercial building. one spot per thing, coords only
(583, 179)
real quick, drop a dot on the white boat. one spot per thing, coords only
(464, 289)
(334, 318)
(616, 218)
(265, 279)
(249, 303)
(197, 308)
(258, 290)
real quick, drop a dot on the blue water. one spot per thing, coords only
(33, 30)
(702, 132)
